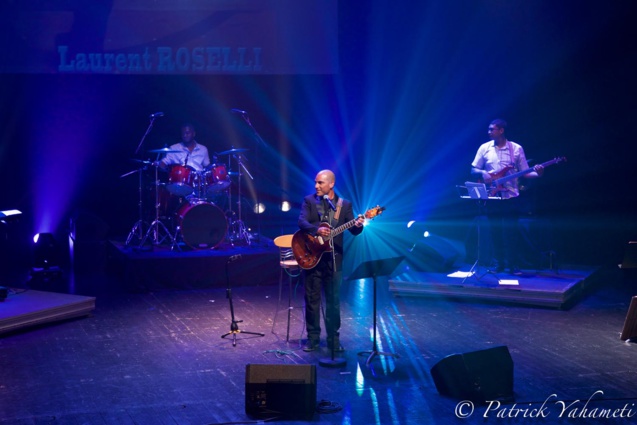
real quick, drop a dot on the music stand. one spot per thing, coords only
(477, 191)
(373, 269)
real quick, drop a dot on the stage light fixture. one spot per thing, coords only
(285, 206)
(259, 208)
(45, 252)
(417, 228)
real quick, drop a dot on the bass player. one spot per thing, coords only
(495, 157)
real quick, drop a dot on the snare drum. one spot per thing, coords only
(216, 179)
(181, 180)
(202, 225)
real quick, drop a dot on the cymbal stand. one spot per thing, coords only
(239, 229)
(157, 226)
(138, 227)
(230, 213)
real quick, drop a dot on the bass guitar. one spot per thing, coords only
(499, 177)
(308, 249)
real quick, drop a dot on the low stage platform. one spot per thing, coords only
(555, 289)
(26, 307)
(159, 267)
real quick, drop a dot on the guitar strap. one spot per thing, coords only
(513, 164)
(339, 204)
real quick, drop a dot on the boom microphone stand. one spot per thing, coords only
(234, 327)
(138, 227)
(239, 228)
(260, 142)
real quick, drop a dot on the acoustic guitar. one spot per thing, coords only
(309, 249)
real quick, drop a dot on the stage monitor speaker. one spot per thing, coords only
(629, 332)
(280, 391)
(432, 254)
(479, 376)
(630, 256)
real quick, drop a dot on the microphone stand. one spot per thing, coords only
(332, 361)
(240, 227)
(260, 142)
(234, 327)
(138, 227)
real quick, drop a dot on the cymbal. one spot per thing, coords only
(232, 151)
(141, 161)
(163, 150)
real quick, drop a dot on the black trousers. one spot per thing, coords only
(505, 234)
(319, 281)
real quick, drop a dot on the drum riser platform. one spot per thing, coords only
(165, 269)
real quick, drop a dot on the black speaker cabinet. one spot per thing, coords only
(629, 332)
(479, 376)
(280, 391)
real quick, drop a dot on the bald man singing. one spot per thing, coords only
(324, 206)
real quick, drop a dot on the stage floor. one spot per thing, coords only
(557, 289)
(159, 357)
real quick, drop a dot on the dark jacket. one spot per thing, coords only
(313, 213)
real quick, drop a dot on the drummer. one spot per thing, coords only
(189, 152)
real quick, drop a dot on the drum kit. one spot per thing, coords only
(188, 207)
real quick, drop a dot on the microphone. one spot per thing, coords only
(329, 201)
(156, 114)
(238, 111)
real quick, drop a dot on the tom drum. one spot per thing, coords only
(181, 180)
(216, 179)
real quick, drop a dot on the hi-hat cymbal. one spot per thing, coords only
(163, 150)
(141, 161)
(232, 151)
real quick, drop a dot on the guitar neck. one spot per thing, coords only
(523, 172)
(343, 227)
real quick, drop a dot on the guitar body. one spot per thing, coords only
(495, 188)
(309, 249)
(501, 173)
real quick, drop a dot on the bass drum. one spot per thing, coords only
(202, 225)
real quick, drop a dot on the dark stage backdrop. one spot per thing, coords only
(169, 37)
(401, 119)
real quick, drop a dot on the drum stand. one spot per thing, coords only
(157, 226)
(239, 229)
